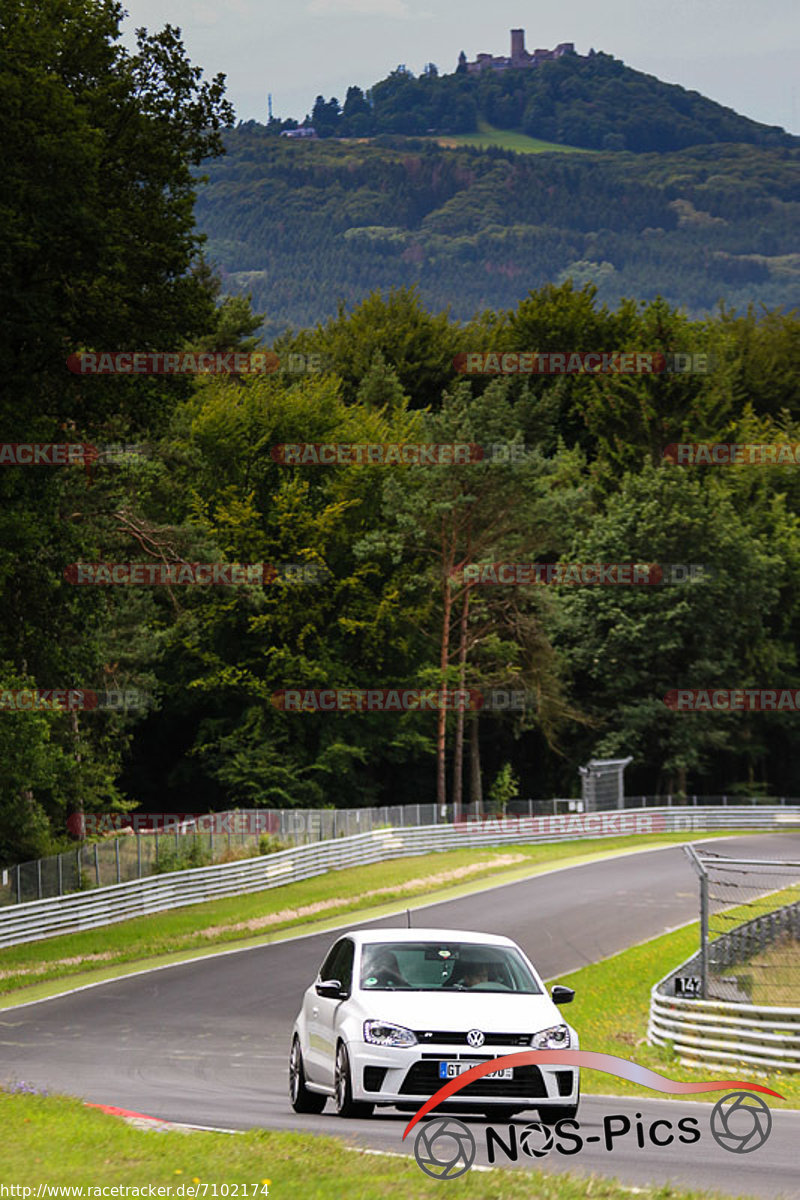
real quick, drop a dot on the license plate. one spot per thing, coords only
(451, 1070)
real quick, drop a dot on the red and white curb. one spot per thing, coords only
(157, 1124)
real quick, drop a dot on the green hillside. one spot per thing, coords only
(592, 101)
(304, 225)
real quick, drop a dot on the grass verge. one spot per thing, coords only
(772, 976)
(55, 1140)
(39, 969)
(611, 1009)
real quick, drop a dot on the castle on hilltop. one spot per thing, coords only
(519, 57)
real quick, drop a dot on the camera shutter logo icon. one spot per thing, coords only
(444, 1148)
(741, 1122)
(536, 1140)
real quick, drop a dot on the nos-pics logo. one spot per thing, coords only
(445, 1147)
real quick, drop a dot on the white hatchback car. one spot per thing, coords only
(395, 1013)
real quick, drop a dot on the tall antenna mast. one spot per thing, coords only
(269, 104)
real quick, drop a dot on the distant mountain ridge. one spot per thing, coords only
(593, 101)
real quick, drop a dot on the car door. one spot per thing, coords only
(322, 1010)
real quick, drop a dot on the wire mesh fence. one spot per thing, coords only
(750, 930)
(219, 837)
(194, 842)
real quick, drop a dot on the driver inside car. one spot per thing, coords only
(383, 967)
(474, 973)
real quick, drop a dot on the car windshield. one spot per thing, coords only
(445, 966)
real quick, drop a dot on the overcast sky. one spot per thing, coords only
(740, 54)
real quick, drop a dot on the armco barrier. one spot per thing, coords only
(723, 1032)
(39, 919)
(720, 1033)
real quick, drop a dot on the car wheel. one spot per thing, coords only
(501, 1112)
(346, 1106)
(303, 1101)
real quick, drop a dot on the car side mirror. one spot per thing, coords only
(331, 988)
(562, 995)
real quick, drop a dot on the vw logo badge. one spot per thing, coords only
(475, 1038)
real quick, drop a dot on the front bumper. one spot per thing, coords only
(397, 1075)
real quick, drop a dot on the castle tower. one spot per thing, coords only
(517, 46)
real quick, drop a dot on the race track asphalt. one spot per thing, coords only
(206, 1042)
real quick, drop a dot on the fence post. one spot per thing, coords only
(39, 877)
(704, 933)
(79, 876)
(116, 855)
(96, 865)
(703, 874)
(19, 886)
(138, 856)
(60, 877)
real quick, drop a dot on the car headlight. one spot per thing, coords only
(554, 1038)
(383, 1033)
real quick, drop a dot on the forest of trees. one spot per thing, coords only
(594, 101)
(101, 253)
(303, 225)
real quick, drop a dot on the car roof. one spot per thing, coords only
(403, 934)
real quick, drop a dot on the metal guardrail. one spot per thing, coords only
(118, 860)
(136, 855)
(721, 1033)
(39, 919)
(724, 1032)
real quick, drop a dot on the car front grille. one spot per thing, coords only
(438, 1037)
(423, 1079)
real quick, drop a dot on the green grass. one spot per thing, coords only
(43, 968)
(55, 1140)
(771, 976)
(611, 1009)
(507, 139)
